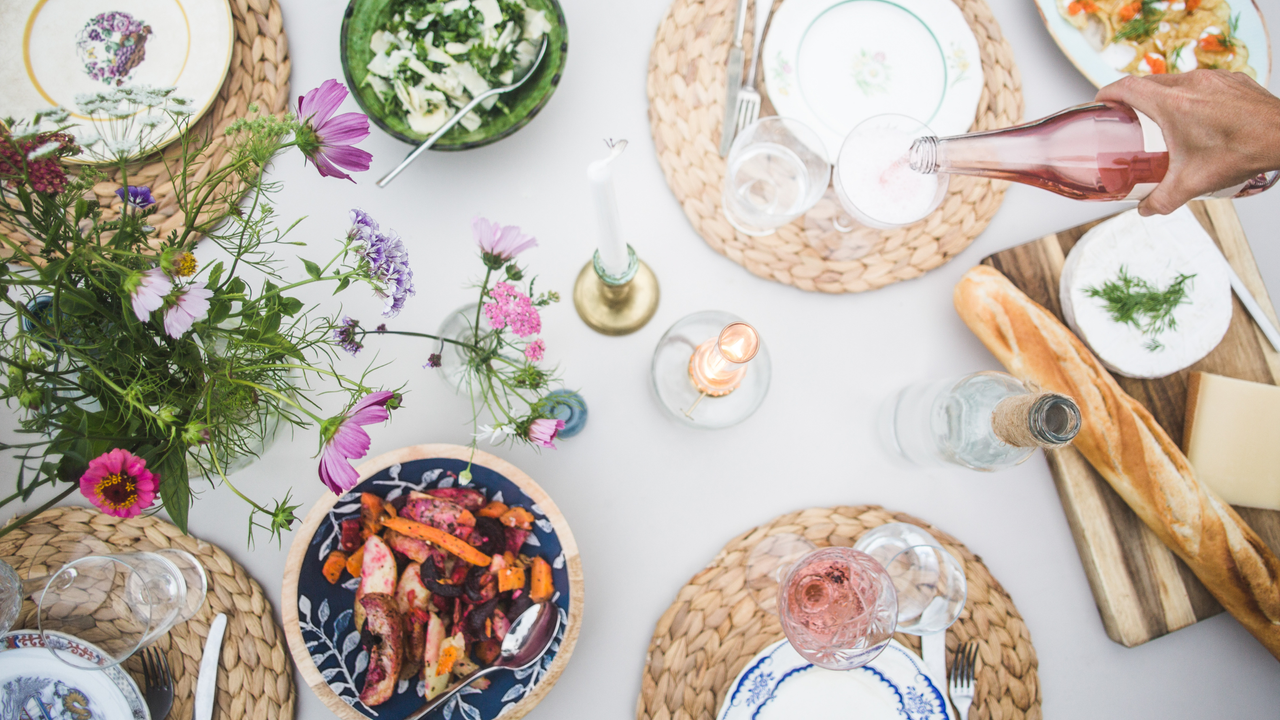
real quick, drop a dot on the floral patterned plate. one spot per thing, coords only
(778, 684)
(30, 674)
(62, 49)
(317, 615)
(833, 63)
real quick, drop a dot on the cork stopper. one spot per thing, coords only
(1046, 420)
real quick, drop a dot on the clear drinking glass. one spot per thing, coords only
(776, 171)
(929, 581)
(873, 178)
(120, 602)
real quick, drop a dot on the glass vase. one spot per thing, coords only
(455, 360)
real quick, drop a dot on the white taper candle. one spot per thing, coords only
(613, 250)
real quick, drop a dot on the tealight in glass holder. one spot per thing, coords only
(711, 370)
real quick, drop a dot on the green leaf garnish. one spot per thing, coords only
(1134, 301)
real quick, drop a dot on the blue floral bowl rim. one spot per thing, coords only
(433, 451)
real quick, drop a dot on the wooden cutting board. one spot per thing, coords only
(1142, 589)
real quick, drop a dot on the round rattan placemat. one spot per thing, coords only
(714, 627)
(255, 678)
(686, 107)
(259, 74)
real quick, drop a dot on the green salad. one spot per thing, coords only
(432, 58)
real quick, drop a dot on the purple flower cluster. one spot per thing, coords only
(345, 335)
(386, 262)
(136, 198)
(510, 307)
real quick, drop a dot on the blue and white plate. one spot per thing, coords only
(326, 644)
(30, 674)
(778, 684)
(833, 63)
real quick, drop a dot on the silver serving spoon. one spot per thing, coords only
(457, 117)
(525, 644)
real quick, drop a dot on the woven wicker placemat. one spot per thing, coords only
(259, 73)
(714, 627)
(255, 678)
(686, 107)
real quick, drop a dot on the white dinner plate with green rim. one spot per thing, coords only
(54, 50)
(833, 63)
(1094, 66)
(29, 674)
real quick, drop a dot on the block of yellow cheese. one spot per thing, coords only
(1232, 438)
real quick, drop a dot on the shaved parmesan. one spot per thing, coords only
(535, 24)
(454, 6)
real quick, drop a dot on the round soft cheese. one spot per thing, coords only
(1156, 249)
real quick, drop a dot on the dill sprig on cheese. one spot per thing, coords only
(1134, 301)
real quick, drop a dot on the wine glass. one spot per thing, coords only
(930, 581)
(873, 177)
(119, 602)
(776, 171)
(837, 606)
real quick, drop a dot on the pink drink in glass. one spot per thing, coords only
(838, 607)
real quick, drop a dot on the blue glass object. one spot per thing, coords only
(571, 408)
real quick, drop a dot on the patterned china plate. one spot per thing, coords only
(29, 673)
(778, 684)
(318, 625)
(833, 63)
(1091, 63)
(54, 50)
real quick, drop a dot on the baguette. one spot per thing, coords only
(1122, 440)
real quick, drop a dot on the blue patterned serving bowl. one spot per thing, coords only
(318, 615)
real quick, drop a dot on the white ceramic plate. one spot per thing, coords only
(28, 670)
(778, 684)
(833, 63)
(53, 50)
(1093, 66)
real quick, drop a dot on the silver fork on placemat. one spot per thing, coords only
(748, 96)
(960, 686)
(159, 683)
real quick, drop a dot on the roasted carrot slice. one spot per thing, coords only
(449, 543)
(356, 562)
(542, 588)
(493, 510)
(517, 517)
(334, 565)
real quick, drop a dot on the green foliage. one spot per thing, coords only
(1134, 301)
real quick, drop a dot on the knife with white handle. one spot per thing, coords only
(1251, 305)
(933, 650)
(207, 682)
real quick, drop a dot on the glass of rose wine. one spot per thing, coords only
(874, 180)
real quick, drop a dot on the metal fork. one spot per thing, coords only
(960, 686)
(748, 96)
(159, 682)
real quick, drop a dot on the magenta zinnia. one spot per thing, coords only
(327, 140)
(345, 439)
(118, 483)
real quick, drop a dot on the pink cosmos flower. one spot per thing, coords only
(190, 305)
(149, 292)
(499, 244)
(327, 140)
(119, 484)
(345, 439)
(534, 350)
(514, 308)
(543, 431)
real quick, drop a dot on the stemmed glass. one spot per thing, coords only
(776, 171)
(839, 607)
(119, 602)
(873, 178)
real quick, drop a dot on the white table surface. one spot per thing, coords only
(650, 502)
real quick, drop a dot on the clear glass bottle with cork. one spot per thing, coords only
(985, 421)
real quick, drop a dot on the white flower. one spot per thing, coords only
(43, 150)
(150, 121)
(495, 434)
(57, 116)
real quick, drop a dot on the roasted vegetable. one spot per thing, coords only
(431, 579)
(437, 537)
(438, 513)
(350, 539)
(515, 538)
(510, 578)
(468, 498)
(378, 568)
(333, 566)
(487, 651)
(517, 517)
(384, 621)
(411, 593)
(355, 562)
(416, 550)
(489, 536)
(480, 585)
(476, 621)
(450, 653)
(436, 683)
(371, 514)
(501, 625)
(542, 588)
(492, 510)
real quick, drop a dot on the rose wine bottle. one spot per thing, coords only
(1099, 151)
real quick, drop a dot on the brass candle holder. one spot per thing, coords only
(711, 370)
(616, 304)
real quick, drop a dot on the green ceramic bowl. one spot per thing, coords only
(364, 17)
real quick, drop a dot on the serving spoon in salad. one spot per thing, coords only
(457, 117)
(526, 642)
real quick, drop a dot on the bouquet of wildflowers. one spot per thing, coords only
(496, 354)
(138, 368)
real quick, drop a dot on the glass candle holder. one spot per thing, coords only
(711, 370)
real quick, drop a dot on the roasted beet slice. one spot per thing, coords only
(430, 576)
(515, 539)
(500, 625)
(475, 620)
(480, 585)
(489, 536)
(487, 651)
(468, 498)
(351, 539)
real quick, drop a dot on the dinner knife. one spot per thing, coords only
(933, 650)
(207, 681)
(1251, 305)
(734, 68)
